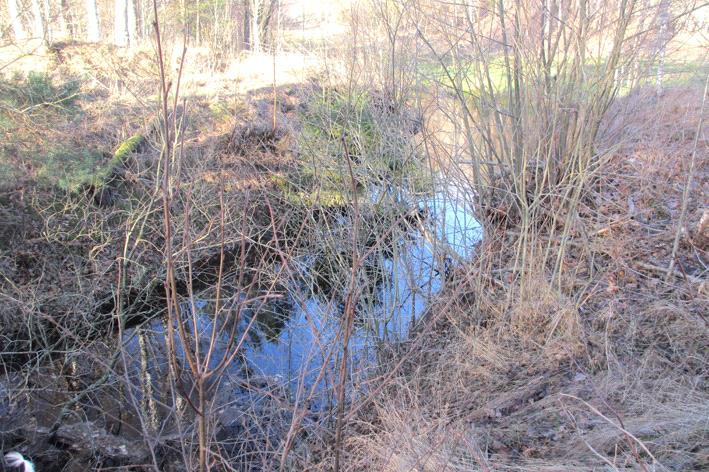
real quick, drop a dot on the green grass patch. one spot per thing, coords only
(470, 76)
(351, 133)
(490, 76)
(38, 92)
(28, 104)
(75, 169)
(72, 169)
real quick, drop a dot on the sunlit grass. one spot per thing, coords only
(490, 76)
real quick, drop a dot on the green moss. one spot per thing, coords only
(220, 111)
(126, 147)
(305, 191)
(323, 198)
(279, 181)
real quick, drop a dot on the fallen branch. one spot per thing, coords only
(667, 271)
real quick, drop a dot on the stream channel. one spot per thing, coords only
(290, 356)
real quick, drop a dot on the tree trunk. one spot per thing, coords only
(17, 28)
(37, 20)
(132, 23)
(255, 39)
(143, 24)
(247, 26)
(93, 33)
(199, 29)
(266, 8)
(48, 20)
(662, 39)
(63, 28)
(257, 18)
(120, 23)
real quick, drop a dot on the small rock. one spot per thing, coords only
(88, 440)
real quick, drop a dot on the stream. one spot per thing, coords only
(294, 338)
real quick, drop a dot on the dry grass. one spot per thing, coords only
(608, 373)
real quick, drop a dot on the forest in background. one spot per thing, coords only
(354, 235)
(230, 26)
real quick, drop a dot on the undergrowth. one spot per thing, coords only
(574, 339)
